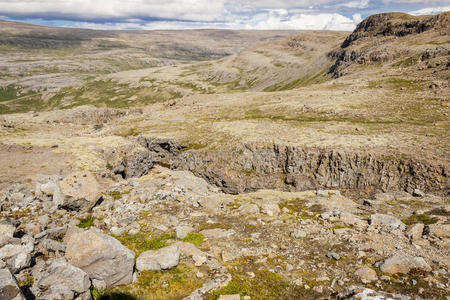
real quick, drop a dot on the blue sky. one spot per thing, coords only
(188, 14)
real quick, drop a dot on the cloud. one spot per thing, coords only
(180, 14)
(430, 10)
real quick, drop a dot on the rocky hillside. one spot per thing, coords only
(399, 40)
(226, 164)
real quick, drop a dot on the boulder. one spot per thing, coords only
(161, 259)
(387, 221)
(103, 257)
(9, 289)
(81, 191)
(182, 231)
(403, 264)
(62, 273)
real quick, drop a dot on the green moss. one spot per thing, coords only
(142, 242)
(414, 219)
(195, 146)
(175, 283)
(247, 172)
(194, 238)
(86, 222)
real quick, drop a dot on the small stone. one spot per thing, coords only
(229, 297)
(217, 233)
(7, 229)
(271, 209)
(333, 255)
(415, 231)
(366, 274)
(298, 233)
(249, 208)
(418, 193)
(199, 274)
(161, 259)
(390, 222)
(182, 231)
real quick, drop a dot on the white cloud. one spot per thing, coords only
(430, 11)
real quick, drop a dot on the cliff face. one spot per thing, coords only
(387, 37)
(254, 166)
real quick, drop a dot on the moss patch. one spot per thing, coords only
(176, 283)
(194, 238)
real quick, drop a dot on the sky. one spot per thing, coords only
(193, 14)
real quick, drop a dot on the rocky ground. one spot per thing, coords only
(171, 235)
(313, 166)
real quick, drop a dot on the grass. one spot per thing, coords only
(175, 283)
(423, 218)
(301, 82)
(142, 242)
(86, 222)
(194, 238)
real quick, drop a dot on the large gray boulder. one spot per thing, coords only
(104, 258)
(161, 259)
(9, 290)
(62, 273)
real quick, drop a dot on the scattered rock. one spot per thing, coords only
(161, 259)
(229, 297)
(182, 231)
(366, 274)
(418, 193)
(103, 257)
(333, 255)
(389, 222)
(6, 229)
(403, 264)
(217, 233)
(248, 209)
(439, 230)
(298, 233)
(271, 209)
(415, 231)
